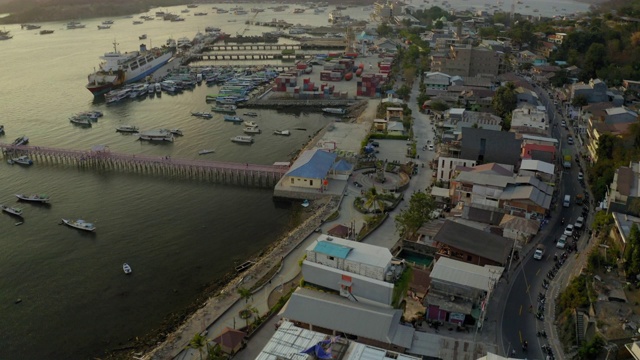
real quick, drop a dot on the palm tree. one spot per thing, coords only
(373, 199)
(199, 342)
(245, 294)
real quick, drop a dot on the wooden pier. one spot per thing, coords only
(289, 103)
(102, 159)
(245, 47)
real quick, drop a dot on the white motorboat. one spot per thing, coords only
(250, 123)
(157, 135)
(21, 160)
(11, 210)
(252, 130)
(242, 139)
(39, 198)
(158, 88)
(127, 129)
(282, 132)
(79, 224)
(206, 151)
(126, 268)
(22, 140)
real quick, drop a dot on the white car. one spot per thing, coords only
(430, 147)
(580, 176)
(579, 223)
(562, 242)
(569, 230)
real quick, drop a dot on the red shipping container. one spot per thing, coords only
(306, 81)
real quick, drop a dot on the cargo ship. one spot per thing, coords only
(119, 68)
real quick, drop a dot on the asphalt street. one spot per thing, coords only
(519, 322)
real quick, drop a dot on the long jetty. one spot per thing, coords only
(102, 159)
(295, 103)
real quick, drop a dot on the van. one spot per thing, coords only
(567, 201)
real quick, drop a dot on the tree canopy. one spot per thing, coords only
(420, 210)
(504, 102)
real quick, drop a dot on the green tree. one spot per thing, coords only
(245, 294)
(525, 66)
(594, 59)
(579, 101)
(198, 342)
(373, 200)
(420, 210)
(384, 29)
(591, 349)
(404, 92)
(438, 25)
(504, 101)
(439, 106)
(421, 98)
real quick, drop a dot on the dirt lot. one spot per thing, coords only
(612, 313)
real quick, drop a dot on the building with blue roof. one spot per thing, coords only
(358, 271)
(311, 169)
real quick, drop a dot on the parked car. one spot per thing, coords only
(579, 223)
(562, 242)
(580, 176)
(374, 143)
(357, 184)
(569, 230)
(431, 147)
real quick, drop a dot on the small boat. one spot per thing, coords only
(234, 118)
(225, 109)
(79, 224)
(22, 140)
(126, 268)
(107, 22)
(176, 132)
(104, 27)
(305, 203)
(11, 210)
(127, 129)
(336, 111)
(158, 88)
(252, 114)
(137, 22)
(205, 115)
(250, 123)
(206, 151)
(244, 266)
(21, 160)
(282, 132)
(142, 37)
(1, 129)
(242, 139)
(80, 120)
(39, 198)
(46, 32)
(252, 130)
(157, 135)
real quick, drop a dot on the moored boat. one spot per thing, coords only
(244, 266)
(126, 268)
(79, 224)
(104, 27)
(157, 135)
(250, 124)
(39, 198)
(46, 32)
(22, 140)
(224, 109)
(205, 115)
(21, 160)
(206, 151)
(176, 132)
(127, 129)
(252, 130)
(80, 120)
(282, 132)
(252, 114)
(242, 139)
(336, 111)
(235, 119)
(11, 210)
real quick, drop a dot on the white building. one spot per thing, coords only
(446, 165)
(530, 119)
(360, 272)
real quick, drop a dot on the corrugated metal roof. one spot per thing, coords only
(342, 165)
(379, 256)
(335, 312)
(332, 249)
(313, 164)
(469, 275)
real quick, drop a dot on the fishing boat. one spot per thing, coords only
(104, 27)
(250, 124)
(22, 140)
(157, 135)
(282, 132)
(234, 118)
(80, 120)
(252, 114)
(127, 129)
(252, 130)
(79, 224)
(16, 211)
(38, 198)
(205, 115)
(224, 109)
(75, 25)
(126, 268)
(336, 111)
(206, 151)
(21, 160)
(119, 68)
(244, 266)
(142, 37)
(242, 139)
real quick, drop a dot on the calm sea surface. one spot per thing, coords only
(178, 236)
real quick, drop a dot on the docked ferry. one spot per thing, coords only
(122, 68)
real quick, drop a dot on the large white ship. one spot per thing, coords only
(122, 68)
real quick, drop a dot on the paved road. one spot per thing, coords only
(518, 324)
